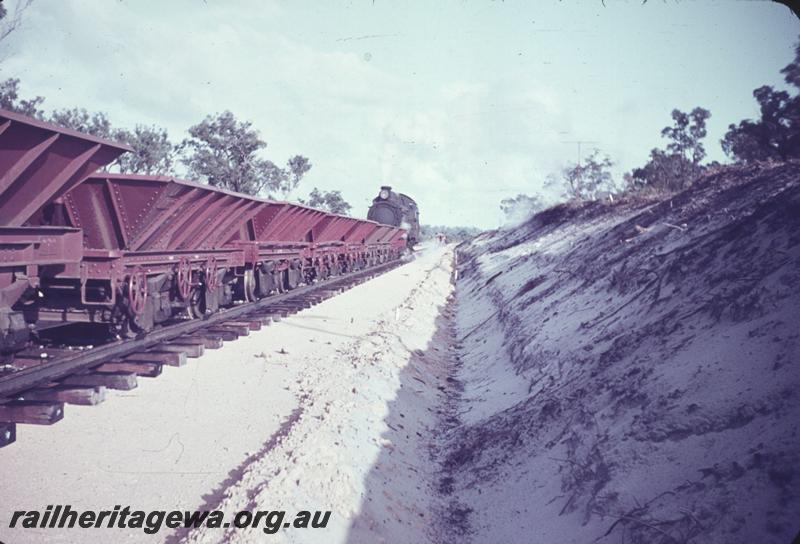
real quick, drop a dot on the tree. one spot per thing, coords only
(9, 99)
(9, 23)
(223, 152)
(776, 135)
(674, 169)
(664, 172)
(584, 181)
(297, 166)
(454, 234)
(520, 207)
(96, 124)
(686, 134)
(331, 201)
(153, 153)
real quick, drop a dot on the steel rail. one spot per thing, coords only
(30, 377)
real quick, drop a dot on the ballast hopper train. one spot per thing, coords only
(129, 252)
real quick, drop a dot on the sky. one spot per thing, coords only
(457, 103)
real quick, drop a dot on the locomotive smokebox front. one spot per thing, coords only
(384, 212)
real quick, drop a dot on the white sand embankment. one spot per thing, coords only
(244, 426)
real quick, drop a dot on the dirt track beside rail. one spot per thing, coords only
(361, 443)
(296, 416)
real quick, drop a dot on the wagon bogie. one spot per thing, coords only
(38, 163)
(267, 278)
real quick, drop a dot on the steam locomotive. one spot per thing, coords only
(398, 210)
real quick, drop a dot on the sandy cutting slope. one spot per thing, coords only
(632, 373)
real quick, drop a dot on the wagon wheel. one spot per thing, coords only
(294, 275)
(211, 274)
(280, 280)
(195, 304)
(137, 290)
(250, 285)
(184, 278)
(120, 324)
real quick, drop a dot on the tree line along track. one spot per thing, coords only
(37, 392)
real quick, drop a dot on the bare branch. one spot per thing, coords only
(12, 21)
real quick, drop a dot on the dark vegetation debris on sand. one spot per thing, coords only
(645, 352)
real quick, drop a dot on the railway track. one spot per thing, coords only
(42, 380)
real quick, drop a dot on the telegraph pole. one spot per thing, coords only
(580, 142)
